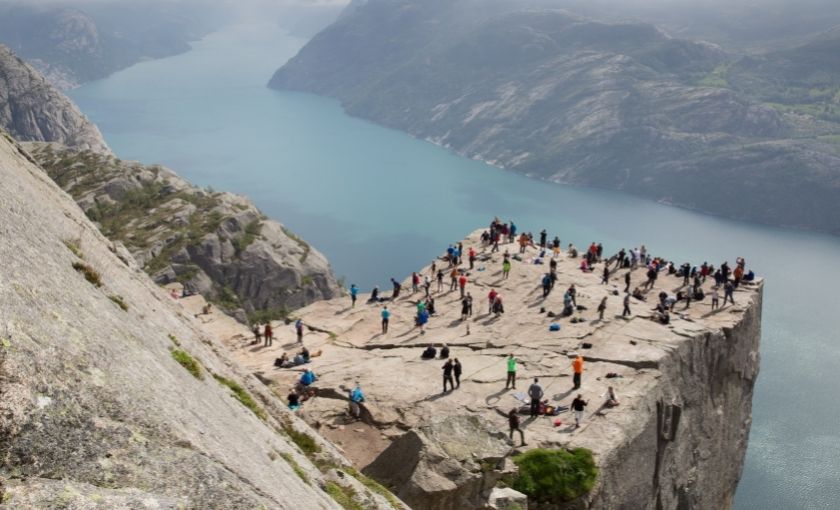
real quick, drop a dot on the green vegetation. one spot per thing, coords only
(295, 467)
(252, 232)
(188, 362)
(174, 339)
(303, 440)
(225, 298)
(343, 496)
(717, 78)
(119, 301)
(75, 246)
(242, 395)
(553, 476)
(90, 274)
(264, 316)
(303, 244)
(374, 487)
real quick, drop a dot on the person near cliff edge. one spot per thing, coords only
(535, 393)
(386, 318)
(513, 422)
(268, 334)
(511, 372)
(299, 330)
(354, 293)
(577, 367)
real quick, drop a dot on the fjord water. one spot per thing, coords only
(379, 204)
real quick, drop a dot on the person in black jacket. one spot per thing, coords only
(513, 421)
(447, 375)
(456, 368)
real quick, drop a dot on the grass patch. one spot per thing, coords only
(554, 476)
(374, 487)
(252, 232)
(242, 395)
(90, 274)
(75, 246)
(174, 339)
(303, 244)
(304, 441)
(188, 362)
(343, 496)
(295, 467)
(119, 301)
(265, 316)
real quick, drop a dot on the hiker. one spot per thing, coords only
(444, 352)
(602, 307)
(573, 293)
(397, 288)
(715, 298)
(612, 400)
(447, 375)
(465, 308)
(430, 306)
(453, 279)
(546, 285)
(415, 282)
(491, 298)
(427, 285)
(513, 421)
(374, 295)
(626, 310)
(472, 255)
(294, 399)
(567, 304)
(498, 307)
(505, 269)
(421, 320)
(268, 334)
(257, 334)
(462, 284)
(606, 278)
(728, 291)
(469, 304)
(356, 399)
(429, 353)
(578, 405)
(354, 291)
(511, 372)
(281, 361)
(440, 280)
(627, 282)
(535, 392)
(299, 330)
(308, 378)
(456, 369)
(577, 367)
(543, 238)
(386, 318)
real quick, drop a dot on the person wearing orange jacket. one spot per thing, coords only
(577, 366)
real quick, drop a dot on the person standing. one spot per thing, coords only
(472, 257)
(440, 280)
(511, 372)
(505, 269)
(715, 298)
(543, 238)
(626, 311)
(257, 334)
(535, 392)
(415, 282)
(386, 317)
(578, 405)
(354, 292)
(513, 421)
(299, 330)
(627, 282)
(605, 279)
(577, 367)
(397, 288)
(728, 291)
(447, 375)
(462, 284)
(602, 307)
(269, 335)
(456, 369)
(491, 298)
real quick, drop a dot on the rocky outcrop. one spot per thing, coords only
(564, 98)
(112, 397)
(677, 439)
(217, 244)
(31, 109)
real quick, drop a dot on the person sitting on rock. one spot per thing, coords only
(294, 399)
(374, 295)
(305, 355)
(356, 399)
(429, 353)
(612, 400)
(308, 378)
(281, 361)
(444, 352)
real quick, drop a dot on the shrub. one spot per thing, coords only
(75, 246)
(295, 467)
(343, 496)
(90, 274)
(119, 302)
(555, 475)
(242, 396)
(188, 362)
(304, 441)
(374, 487)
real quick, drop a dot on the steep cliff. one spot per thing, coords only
(616, 105)
(31, 109)
(111, 397)
(677, 439)
(218, 244)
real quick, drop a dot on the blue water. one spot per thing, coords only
(379, 203)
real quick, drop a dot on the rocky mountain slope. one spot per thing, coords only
(677, 439)
(217, 244)
(31, 109)
(112, 398)
(564, 98)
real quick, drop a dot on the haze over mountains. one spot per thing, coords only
(618, 105)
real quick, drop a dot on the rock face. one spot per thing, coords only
(559, 97)
(217, 244)
(444, 464)
(110, 395)
(677, 439)
(31, 109)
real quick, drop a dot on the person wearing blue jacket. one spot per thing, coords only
(354, 292)
(308, 378)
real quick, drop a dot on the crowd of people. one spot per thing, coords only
(457, 265)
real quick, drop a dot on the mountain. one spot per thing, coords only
(31, 109)
(76, 42)
(216, 244)
(112, 397)
(557, 96)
